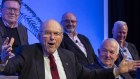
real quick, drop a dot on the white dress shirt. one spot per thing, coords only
(77, 41)
(59, 65)
(125, 51)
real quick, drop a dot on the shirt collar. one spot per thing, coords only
(8, 25)
(104, 66)
(55, 54)
(125, 45)
(70, 35)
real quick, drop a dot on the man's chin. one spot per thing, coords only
(51, 51)
(12, 21)
(70, 30)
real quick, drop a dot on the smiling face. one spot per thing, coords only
(69, 22)
(120, 32)
(10, 11)
(108, 53)
(50, 36)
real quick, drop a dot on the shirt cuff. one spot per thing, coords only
(116, 72)
(2, 66)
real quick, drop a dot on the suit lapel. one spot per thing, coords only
(71, 42)
(85, 45)
(65, 63)
(133, 52)
(40, 63)
(21, 34)
(74, 45)
(2, 29)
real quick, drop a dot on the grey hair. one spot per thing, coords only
(111, 40)
(119, 23)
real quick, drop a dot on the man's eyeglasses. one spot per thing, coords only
(47, 33)
(9, 9)
(68, 21)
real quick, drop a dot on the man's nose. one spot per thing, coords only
(107, 54)
(51, 36)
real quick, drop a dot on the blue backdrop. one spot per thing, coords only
(90, 16)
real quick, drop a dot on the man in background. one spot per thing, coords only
(119, 32)
(9, 27)
(107, 55)
(75, 42)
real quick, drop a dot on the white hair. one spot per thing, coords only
(119, 23)
(111, 40)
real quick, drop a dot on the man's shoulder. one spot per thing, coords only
(1, 22)
(129, 44)
(65, 51)
(31, 47)
(21, 26)
(81, 36)
(96, 65)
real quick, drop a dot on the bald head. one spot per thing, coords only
(50, 35)
(109, 52)
(110, 42)
(68, 15)
(50, 23)
(69, 22)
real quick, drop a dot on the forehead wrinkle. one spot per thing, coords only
(69, 16)
(51, 25)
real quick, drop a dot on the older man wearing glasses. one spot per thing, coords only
(9, 28)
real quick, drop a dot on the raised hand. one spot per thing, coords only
(126, 65)
(6, 49)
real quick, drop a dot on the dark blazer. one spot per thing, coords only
(97, 65)
(29, 63)
(133, 51)
(22, 32)
(68, 44)
(138, 74)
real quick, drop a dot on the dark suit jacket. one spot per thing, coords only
(138, 74)
(22, 32)
(133, 51)
(29, 63)
(68, 44)
(97, 65)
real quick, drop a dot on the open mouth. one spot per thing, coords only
(51, 43)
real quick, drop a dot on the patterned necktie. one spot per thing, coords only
(53, 67)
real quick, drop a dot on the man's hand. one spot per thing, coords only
(6, 49)
(126, 66)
